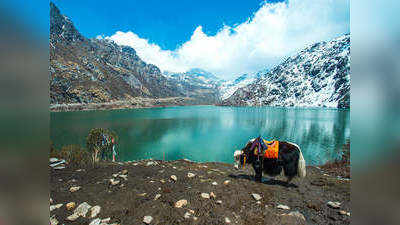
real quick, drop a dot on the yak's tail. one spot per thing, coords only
(301, 167)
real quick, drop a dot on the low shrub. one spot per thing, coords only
(75, 155)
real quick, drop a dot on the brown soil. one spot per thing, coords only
(124, 203)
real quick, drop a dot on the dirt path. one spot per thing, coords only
(125, 202)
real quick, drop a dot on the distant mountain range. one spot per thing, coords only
(318, 76)
(86, 70)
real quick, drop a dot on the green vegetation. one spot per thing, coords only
(94, 140)
(76, 155)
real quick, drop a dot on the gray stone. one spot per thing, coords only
(157, 196)
(187, 215)
(190, 175)
(125, 177)
(297, 214)
(174, 178)
(75, 188)
(53, 207)
(106, 220)
(114, 182)
(82, 209)
(147, 219)
(257, 197)
(151, 163)
(205, 195)
(53, 220)
(95, 222)
(181, 203)
(334, 205)
(94, 211)
(73, 217)
(280, 206)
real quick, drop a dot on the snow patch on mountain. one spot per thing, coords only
(227, 88)
(318, 76)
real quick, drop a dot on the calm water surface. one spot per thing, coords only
(207, 133)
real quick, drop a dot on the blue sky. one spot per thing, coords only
(167, 23)
(225, 37)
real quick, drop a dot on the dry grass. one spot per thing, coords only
(75, 155)
(340, 167)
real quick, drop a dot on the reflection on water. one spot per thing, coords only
(207, 133)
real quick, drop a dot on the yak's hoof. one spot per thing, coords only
(258, 178)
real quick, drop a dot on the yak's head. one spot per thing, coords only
(243, 157)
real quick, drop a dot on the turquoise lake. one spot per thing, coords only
(207, 133)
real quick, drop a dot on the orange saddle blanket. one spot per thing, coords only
(272, 151)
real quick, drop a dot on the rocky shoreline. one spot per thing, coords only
(131, 104)
(185, 192)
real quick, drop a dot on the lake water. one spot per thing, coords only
(207, 133)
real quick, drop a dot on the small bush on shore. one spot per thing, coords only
(94, 141)
(75, 155)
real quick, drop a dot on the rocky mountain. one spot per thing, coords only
(86, 70)
(197, 84)
(318, 76)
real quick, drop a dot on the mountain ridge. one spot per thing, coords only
(317, 76)
(84, 70)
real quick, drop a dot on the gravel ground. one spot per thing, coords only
(149, 190)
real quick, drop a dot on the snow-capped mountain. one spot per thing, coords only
(227, 88)
(318, 76)
(196, 83)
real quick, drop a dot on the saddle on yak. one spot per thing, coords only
(268, 149)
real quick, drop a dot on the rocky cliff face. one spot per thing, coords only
(318, 76)
(86, 70)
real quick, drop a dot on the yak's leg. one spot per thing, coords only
(257, 170)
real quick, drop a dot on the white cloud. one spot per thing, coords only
(273, 32)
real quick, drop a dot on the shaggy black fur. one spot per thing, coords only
(288, 158)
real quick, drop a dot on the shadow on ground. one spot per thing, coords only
(267, 181)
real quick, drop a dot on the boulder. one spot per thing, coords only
(190, 175)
